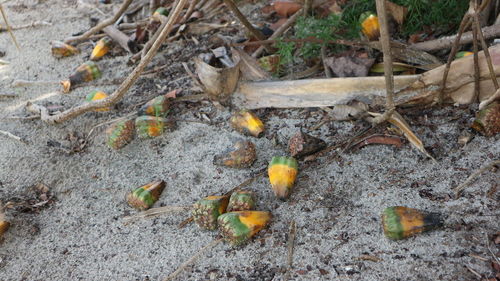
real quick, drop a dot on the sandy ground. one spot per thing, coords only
(336, 203)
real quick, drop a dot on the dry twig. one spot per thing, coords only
(474, 175)
(122, 89)
(9, 29)
(12, 136)
(291, 241)
(101, 25)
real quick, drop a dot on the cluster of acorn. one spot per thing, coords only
(233, 214)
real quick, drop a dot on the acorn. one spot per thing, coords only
(402, 222)
(86, 72)
(149, 126)
(144, 197)
(241, 200)
(160, 11)
(61, 49)
(370, 25)
(238, 227)
(242, 156)
(4, 225)
(101, 48)
(487, 120)
(97, 95)
(282, 173)
(159, 107)
(247, 123)
(301, 145)
(463, 54)
(120, 133)
(206, 211)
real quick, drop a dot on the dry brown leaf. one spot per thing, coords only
(398, 12)
(348, 112)
(219, 83)
(397, 120)
(349, 66)
(249, 67)
(286, 8)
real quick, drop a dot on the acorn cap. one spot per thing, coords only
(144, 197)
(97, 95)
(60, 49)
(402, 222)
(247, 123)
(158, 107)
(241, 200)
(487, 120)
(301, 145)
(101, 48)
(149, 126)
(206, 211)
(120, 133)
(243, 156)
(239, 227)
(282, 173)
(370, 25)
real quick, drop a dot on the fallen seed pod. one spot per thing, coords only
(242, 156)
(101, 48)
(97, 95)
(247, 123)
(238, 227)
(61, 49)
(282, 173)
(402, 222)
(206, 211)
(86, 72)
(149, 126)
(301, 145)
(120, 133)
(159, 107)
(241, 200)
(145, 196)
(370, 25)
(487, 120)
(463, 54)
(4, 225)
(160, 11)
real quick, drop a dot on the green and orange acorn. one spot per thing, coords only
(487, 120)
(282, 173)
(158, 107)
(120, 133)
(247, 123)
(463, 54)
(402, 222)
(150, 126)
(101, 48)
(206, 211)
(144, 197)
(301, 145)
(238, 227)
(242, 156)
(241, 200)
(86, 72)
(370, 25)
(160, 11)
(61, 49)
(98, 95)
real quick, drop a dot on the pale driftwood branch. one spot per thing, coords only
(447, 42)
(101, 25)
(474, 175)
(314, 92)
(192, 259)
(122, 89)
(12, 136)
(117, 36)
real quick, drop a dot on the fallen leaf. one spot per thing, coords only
(278, 24)
(249, 67)
(379, 139)
(344, 112)
(286, 8)
(396, 11)
(396, 67)
(369, 258)
(172, 94)
(349, 66)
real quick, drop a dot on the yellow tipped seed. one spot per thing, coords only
(370, 25)
(282, 173)
(101, 48)
(238, 227)
(98, 95)
(247, 123)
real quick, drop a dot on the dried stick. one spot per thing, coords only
(485, 50)
(33, 24)
(291, 240)
(156, 212)
(386, 50)
(189, 11)
(117, 36)
(476, 62)
(474, 175)
(230, 4)
(101, 25)
(12, 136)
(451, 57)
(9, 29)
(192, 259)
(328, 71)
(122, 89)
(291, 20)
